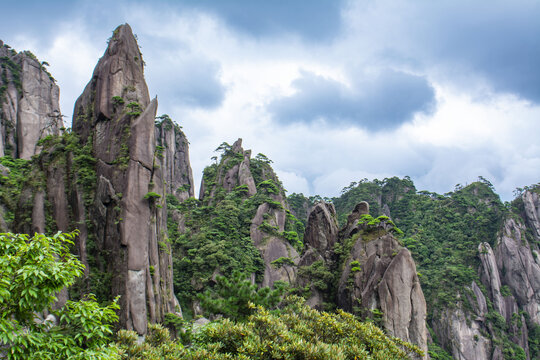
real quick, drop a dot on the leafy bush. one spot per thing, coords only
(33, 271)
(294, 332)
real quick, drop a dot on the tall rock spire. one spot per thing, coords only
(29, 103)
(115, 115)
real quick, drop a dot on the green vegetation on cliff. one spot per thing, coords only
(215, 236)
(441, 231)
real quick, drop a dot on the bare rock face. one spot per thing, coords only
(531, 203)
(518, 268)
(463, 336)
(377, 276)
(273, 247)
(362, 208)
(115, 115)
(464, 331)
(489, 275)
(173, 156)
(322, 229)
(381, 275)
(29, 103)
(319, 239)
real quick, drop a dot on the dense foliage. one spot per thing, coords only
(294, 332)
(33, 271)
(443, 233)
(215, 238)
(231, 297)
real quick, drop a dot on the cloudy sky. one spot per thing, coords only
(332, 91)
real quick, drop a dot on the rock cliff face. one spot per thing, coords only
(531, 204)
(173, 156)
(29, 108)
(319, 239)
(267, 229)
(115, 117)
(377, 276)
(519, 270)
(510, 277)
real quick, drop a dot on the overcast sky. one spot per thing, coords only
(331, 91)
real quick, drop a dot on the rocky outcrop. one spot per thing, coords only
(322, 229)
(173, 156)
(531, 204)
(510, 277)
(319, 239)
(489, 275)
(29, 103)
(376, 275)
(518, 269)
(380, 276)
(272, 246)
(463, 337)
(233, 171)
(117, 118)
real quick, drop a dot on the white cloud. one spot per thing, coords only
(473, 130)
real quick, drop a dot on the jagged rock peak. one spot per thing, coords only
(362, 208)
(115, 115)
(117, 82)
(233, 170)
(380, 274)
(29, 103)
(322, 227)
(173, 153)
(237, 146)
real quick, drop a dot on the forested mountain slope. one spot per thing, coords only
(477, 260)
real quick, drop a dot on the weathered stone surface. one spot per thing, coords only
(489, 275)
(141, 142)
(29, 106)
(402, 300)
(319, 239)
(137, 301)
(38, 213)
(462, 336)
(173, 157)
(322, 228)
(56, 194)
(360, 209)
(518, 268)
(273, 247)
(244, 174)
(135, 227)
(531, 203)
(387, 281)
(479, 303)
(115, 114)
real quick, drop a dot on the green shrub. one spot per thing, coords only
(34, 270)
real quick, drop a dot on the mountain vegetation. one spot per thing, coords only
(443, 233)
(125, 261)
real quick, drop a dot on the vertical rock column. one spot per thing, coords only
(116, 115)
(29, 103)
